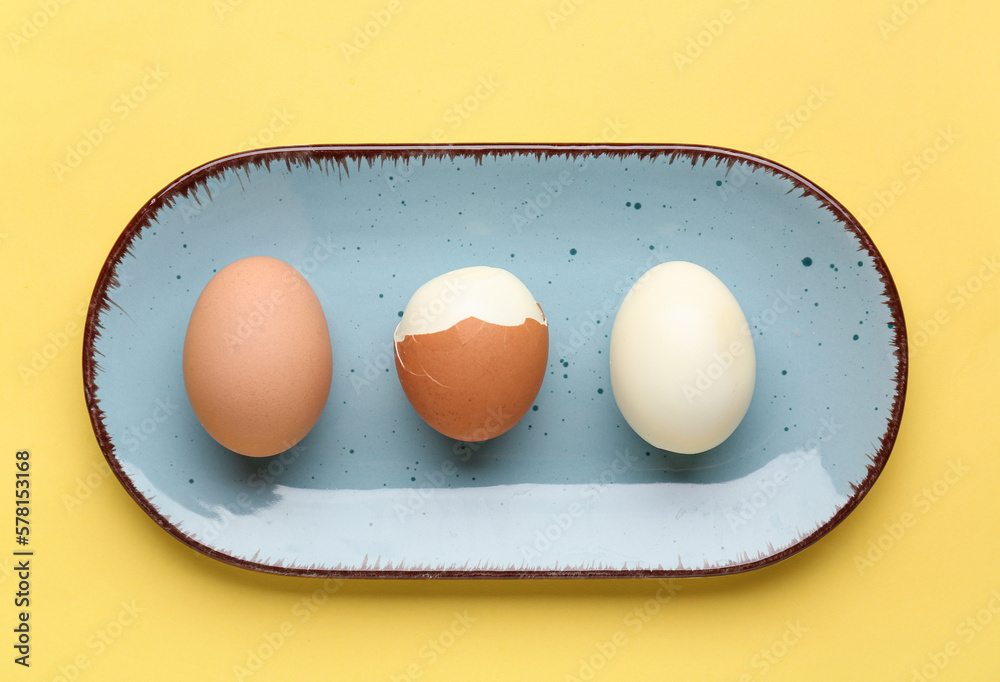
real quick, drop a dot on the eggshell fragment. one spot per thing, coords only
(471, 352)
(257, 357)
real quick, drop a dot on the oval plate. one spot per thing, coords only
(571, 491)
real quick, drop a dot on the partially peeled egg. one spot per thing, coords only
(471, 352)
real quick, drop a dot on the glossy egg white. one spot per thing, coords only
(683, 365)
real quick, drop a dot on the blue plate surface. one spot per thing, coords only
(571, 490)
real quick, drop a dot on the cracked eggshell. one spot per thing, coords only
(471, 352)
(257, 357)
(683, 366)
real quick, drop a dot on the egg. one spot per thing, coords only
(683, 366)
(257, 357)
(471, 352)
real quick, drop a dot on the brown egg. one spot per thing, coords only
(257, 357)
(471, 352)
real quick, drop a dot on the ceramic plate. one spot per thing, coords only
(571, 491)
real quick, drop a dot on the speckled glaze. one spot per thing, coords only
(571, 491)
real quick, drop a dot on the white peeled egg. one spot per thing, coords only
(683, 366)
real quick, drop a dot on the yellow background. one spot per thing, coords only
(870, 87)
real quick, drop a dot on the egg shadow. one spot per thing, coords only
(475, 463)
(234, 483)
(735, 458)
